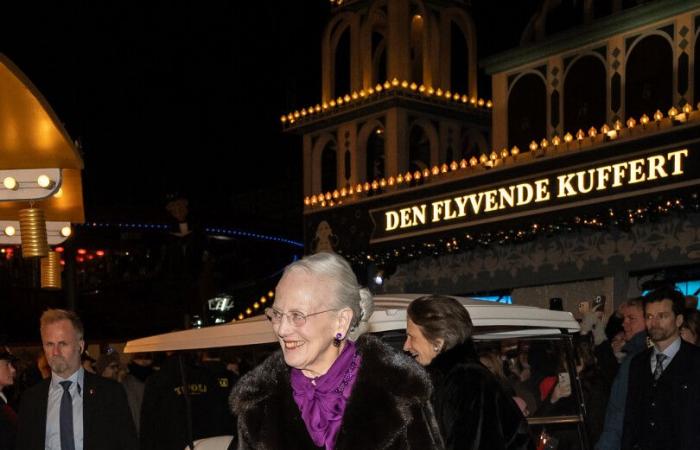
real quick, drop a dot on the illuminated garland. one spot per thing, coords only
(368, 94)
(255, 306)
(465, 240)
(505, 156)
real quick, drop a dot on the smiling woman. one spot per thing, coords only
(471, 406)
(322, 389)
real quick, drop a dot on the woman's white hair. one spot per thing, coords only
(348, 293)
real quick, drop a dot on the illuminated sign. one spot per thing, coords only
(583, 185)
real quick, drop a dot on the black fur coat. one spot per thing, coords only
(471, 407)
(388, 408)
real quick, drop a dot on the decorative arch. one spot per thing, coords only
(317, 180)
(585, 92)
(464, 23)
(527, 109)
(649, 74)
(422, 153)
(364, 158)
(419, 44)
(373, 39)
(473, 143)
(331, 35)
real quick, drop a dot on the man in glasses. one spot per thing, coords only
(663, 398)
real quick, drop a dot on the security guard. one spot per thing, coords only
(182, 403)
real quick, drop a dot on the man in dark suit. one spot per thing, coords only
(74, 409)
(663, 398)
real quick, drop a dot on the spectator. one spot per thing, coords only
(595, 389)
(8, 418)
(108, 365)
(635, 336)
(140, 368)
(690, 330)
(88, 362)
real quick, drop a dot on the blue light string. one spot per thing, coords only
(208, 230)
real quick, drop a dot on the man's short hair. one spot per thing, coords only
(666, 293)
(55, 315)
(636, 302)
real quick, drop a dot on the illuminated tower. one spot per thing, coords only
(399, 95)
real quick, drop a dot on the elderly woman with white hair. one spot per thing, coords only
(322, 390)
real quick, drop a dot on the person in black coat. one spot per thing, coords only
(471, 407)
(8, 417)
(175, 412)
(663, 397)
(323, 390)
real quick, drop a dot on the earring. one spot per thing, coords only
(437, 349)
(336, 340)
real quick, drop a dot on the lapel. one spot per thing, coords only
(43, 406)
(90, 412)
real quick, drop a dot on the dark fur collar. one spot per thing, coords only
(390, 389)
(400, 376)
(464, 353)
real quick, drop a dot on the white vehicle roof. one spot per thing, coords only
(491, 321)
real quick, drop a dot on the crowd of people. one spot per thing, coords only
(332, 387)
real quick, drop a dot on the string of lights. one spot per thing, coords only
(543, 148)
(256, 306)
(605, 219)
(209, 230)
(396, 86)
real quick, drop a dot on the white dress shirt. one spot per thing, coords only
(670, 352)
(53, 431)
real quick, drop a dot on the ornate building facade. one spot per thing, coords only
(578, 177)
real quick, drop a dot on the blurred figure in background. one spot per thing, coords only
(561, 401)
(181, 403)
(109, 365)
(690, 330)
(88, 362)
(8, 417)
(472, 409)
(635, 335)
(139, 369)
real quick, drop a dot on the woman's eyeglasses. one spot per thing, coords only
(296, 318)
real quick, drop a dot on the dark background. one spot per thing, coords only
(185, 97)
(181, 98)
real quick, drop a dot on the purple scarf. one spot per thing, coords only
(322, 400)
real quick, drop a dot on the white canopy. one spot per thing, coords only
(491, 321)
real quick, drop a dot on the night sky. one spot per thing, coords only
(186, 97)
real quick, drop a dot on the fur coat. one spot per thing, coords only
(388, 408)
(471, 407)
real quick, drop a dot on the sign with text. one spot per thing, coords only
(558, 189)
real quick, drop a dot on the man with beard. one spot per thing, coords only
(74, 409)
(663, 399)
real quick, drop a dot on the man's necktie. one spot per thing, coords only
(66, 418)
(660, 357)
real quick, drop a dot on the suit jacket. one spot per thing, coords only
(663, 415)
(388, 408)
(8, 426)
(107, 422)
